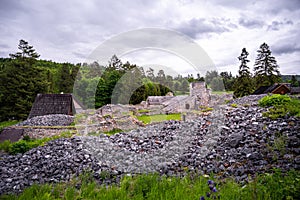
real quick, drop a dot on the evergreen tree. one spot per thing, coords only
(228, 80)
(266, 70)
(65, 82)
(294, 81)
(20, 82)
(115, 63)
(150, 74)
(26, 51)
(243, 85)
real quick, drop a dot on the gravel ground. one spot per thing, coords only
(230, 142)
(48, 120)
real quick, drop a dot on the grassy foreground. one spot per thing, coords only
(152, 186)
(146, 119)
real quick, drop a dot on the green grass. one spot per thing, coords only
(153, 186)
(158, 118)
(143, 111)
(113, 131)
(27, 143)
(7, 123)
(205, 109)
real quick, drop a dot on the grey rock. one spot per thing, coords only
(235, 139)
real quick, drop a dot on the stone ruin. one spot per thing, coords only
(199, 96)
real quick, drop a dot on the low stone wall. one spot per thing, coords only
(38, 133)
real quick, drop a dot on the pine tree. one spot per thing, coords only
(266, 70)
(243, 85)
(20, 81)
(26, 51)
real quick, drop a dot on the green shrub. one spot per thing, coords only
(291, 108)
(22, 146)
(5, 145)
(274, 100)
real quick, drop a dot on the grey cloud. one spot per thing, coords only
(198, 26)
(278, 6)
(276, 25)
(10, 8)
(4, 46)
(234, 4)
(285, 48)
(79, 55)
(251, 23)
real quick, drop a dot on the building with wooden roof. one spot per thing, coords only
(47, 104)
(278, 88)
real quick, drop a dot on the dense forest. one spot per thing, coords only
(23, 75)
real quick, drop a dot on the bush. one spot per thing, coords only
(274, 100)
(282, 106)
(22, 146)
(5, 145)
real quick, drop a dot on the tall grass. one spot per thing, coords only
(153, 186)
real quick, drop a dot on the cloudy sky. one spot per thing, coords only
(70, 30)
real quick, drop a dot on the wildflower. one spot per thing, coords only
(208, 194)
(214, 189)
(210, 182)
(202, 198)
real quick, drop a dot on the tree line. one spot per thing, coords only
(23, 75)
(266, 72)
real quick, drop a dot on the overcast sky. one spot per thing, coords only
(69, 30)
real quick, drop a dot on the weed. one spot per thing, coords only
(113, 131)
(227, 101)
(278, 145)
(5, 145)
(205, 109)
(234, 105)
(143, 111)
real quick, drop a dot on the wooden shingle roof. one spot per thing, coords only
(272, 88)
(47, 104)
